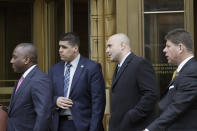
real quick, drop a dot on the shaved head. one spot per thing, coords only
(121, 38)
(118, 46)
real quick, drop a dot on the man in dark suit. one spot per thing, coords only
(179, 104)
(31, 100)
(79, 89)
(134, 88)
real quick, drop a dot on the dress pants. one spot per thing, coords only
(66, 125)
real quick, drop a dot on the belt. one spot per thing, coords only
(66, 117)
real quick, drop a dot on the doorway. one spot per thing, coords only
(15, 28)
(77, 20)
(80, 9)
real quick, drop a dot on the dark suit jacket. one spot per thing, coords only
(134, 94)
(179, 105)
(30, 106)
(87, 93)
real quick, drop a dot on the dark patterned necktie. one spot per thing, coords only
(117, 70)
(67, 79)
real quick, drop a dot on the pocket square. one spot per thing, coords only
(172, 86)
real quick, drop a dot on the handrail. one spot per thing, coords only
(163, 12)
(8, 80)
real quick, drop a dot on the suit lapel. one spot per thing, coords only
(22, 87)
(167, 89)
(12, 98)
(77, 74)
(121, 70)
(18, 94)
(79, 70)
(186, 64)
(115, 74)
(60, 71)
(174, 81)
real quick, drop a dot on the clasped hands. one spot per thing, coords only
(64, 103)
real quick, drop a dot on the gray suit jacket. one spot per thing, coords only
(30, 107)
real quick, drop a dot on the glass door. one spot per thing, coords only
(159, 18)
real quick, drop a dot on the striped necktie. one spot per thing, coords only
(67, 79)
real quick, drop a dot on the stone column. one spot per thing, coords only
(40, 32)
(102, 25)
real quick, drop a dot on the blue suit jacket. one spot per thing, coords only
(30, 107)
(87, 93)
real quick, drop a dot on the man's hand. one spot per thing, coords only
(145, 130)
(64, 102)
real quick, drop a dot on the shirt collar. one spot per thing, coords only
(75, 61)
(183, 63)
(28, 70)
(119, 65)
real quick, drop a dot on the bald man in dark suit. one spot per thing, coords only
(134, 88)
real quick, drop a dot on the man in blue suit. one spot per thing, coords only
(79, 89)
(31, 100)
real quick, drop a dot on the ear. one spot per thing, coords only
(122, 45)
(181, 47)
(76, 48)
(27, 60)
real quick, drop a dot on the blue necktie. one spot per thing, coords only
(67, 79)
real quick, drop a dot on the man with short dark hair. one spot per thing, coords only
(79, 89)
(31, 101)
(179, 104)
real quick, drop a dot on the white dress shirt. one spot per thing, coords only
(28, 70)
(73, 68)
(120, 64)
(183, 63)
